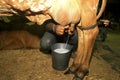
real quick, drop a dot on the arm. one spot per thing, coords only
(53, 27)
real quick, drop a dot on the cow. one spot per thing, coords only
(80, 13)
(10, 40)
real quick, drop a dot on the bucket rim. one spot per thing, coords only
(71, 46)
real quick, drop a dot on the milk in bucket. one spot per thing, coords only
(60, 51)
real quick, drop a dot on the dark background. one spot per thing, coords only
(112, 10)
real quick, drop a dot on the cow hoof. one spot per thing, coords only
(77, 78)
(68, 72)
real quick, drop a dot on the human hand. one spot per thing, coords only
(59, 29)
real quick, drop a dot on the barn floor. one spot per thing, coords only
(35, 65)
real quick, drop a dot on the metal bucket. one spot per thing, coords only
(61, 55)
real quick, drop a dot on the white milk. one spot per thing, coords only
(60, 51)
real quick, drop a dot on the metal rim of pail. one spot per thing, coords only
(68, 45)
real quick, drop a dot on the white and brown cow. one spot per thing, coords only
(82, 13)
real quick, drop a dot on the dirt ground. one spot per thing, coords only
(35, 65)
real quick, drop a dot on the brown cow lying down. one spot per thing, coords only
(82, 13)
(10, 40)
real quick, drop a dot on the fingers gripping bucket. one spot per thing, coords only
(61, 56)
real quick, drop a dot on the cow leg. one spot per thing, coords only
(81, 61)
(89, 37)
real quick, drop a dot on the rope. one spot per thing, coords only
(89, 27)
